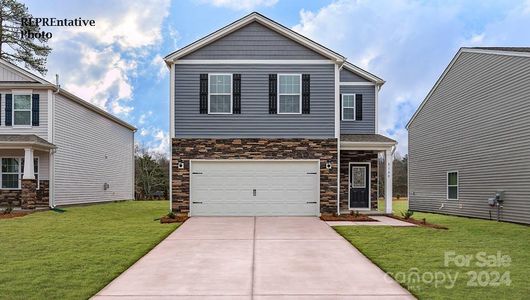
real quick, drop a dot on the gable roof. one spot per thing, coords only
(254, 17)
(363, 73)
(44, 84)
(508, 51)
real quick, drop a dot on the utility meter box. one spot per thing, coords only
(492, 201)
(499, 196)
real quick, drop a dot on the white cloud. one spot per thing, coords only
(160, 66)
(98, 63)
(144, 116)
(160, 142)
(241, 4)
(144, 132)
(409, 44)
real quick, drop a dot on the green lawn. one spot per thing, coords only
(72, 255)
(398, 250)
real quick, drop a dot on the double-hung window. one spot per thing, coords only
(289, 93)
(348, 107)
(220, 94)
(452, 185)
(13, 170)
(21, 110)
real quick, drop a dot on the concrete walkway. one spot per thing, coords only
(254, 258)
(380, 221)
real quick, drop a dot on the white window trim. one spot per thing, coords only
(231, 93)
(457, 185)
(342, 107)
(280, 94)
(22, 93)
(20, 172)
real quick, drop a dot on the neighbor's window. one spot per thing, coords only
(348, 107)
(13, 170)
(289, 94)
(452, 185)
(220, 94)
(21, 109)
(10, 173)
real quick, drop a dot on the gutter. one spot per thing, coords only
(51, 116)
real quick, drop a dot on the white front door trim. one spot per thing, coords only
(369, 185)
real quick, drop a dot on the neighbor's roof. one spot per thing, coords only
(26, 139)
(43, 83)
(508, 51)
(277, 27)
(366, 138)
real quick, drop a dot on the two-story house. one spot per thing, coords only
(469, 140)
(57, 149)
(265, 121)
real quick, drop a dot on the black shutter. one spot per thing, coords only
(236, 93)
(203, 94)
(340, 106)
(35, 110)
(0, 109)
(273, 93)
(358, 107)
(305, 94)
(9, 107)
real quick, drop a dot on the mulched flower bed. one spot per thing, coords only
(347, 217)
(173, 219)
(13, 214)
(421, 222)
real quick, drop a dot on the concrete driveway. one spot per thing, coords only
(254, 258)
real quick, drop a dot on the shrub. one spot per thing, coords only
(407, 214)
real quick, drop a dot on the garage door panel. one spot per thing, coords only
(270, 188)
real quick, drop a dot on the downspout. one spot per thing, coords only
(337, 82)
(52, 151)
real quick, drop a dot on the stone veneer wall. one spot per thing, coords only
(13, 197)
(347, 156)
(185, 149)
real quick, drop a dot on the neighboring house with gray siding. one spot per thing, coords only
(78, 153)
(470, 138)
(265, 121)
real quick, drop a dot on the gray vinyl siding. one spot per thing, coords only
(10, 75)
(254, 120)
(367, 124)
(477, 123)
(91, 150)
(41, 130)
(349, 76)
(254, 41)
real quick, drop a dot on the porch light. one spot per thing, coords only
(329, 164)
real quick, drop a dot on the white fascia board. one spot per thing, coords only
(365, 74)
(380, 146)
(23, 72)
(253, 61)
(245, 21)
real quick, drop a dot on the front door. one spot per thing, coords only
(359, 186)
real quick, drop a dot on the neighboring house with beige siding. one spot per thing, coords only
(470, 138)
(78, 153)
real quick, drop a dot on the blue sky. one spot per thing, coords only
(118, 64)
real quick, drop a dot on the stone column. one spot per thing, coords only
(28, 195)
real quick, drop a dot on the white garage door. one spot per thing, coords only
(254, 188)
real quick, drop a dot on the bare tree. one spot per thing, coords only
(150, 174)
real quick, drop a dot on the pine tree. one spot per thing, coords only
(32, 51)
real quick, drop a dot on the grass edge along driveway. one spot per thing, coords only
(72, 255)
(405, 251)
